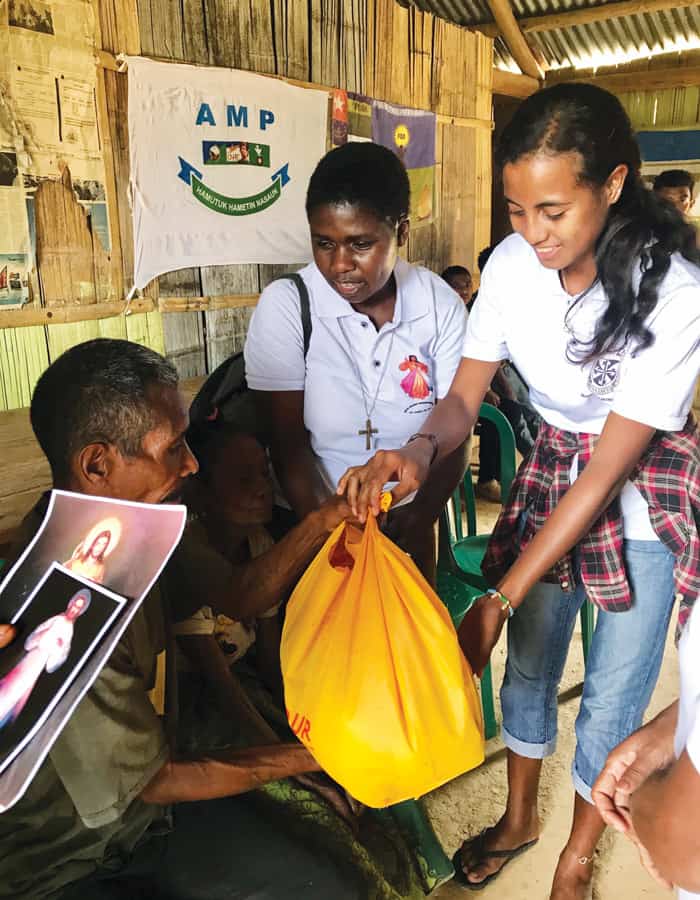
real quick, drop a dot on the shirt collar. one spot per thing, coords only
(413, 301)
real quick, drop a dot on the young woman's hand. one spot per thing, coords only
(363, 485)
(480, 630)
(7, 632)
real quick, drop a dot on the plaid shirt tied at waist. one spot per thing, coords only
(668, 478)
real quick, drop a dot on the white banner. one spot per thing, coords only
(220, 163)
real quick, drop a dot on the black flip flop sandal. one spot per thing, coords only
(482, 854)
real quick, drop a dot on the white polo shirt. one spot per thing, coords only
(427, 330)
(523, 313)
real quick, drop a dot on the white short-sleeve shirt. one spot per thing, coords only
(408, 364)
(523, 313)
(688, 730)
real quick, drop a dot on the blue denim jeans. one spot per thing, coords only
(623, 664)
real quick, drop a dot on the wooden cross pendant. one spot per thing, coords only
(368, 431)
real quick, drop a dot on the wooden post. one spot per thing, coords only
(514, 38)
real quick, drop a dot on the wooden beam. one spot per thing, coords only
(512, 85)
(514, 38)
(85, 312)
(620, 82)
(108, 61)
(199, 304)
(585, 16)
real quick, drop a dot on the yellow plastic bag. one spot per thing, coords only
(375, 683)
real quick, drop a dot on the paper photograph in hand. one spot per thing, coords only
(59, 625)
(119, 545)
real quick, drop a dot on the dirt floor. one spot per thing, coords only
(470, 803)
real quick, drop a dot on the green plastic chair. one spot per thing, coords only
(459, 577)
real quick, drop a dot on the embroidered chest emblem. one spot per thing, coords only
(604, 375)
(415, 383)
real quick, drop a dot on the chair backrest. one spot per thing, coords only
(452, 517)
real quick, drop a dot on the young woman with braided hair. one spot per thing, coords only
(596, 299)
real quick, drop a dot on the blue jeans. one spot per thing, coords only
(623, 664)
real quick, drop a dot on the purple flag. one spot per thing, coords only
(410, 133)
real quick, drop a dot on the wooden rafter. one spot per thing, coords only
(644, 80)
(514, 38)
(512, 85)
(568, 19)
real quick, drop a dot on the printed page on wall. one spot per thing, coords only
(48, 121)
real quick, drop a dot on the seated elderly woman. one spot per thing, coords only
(229, 684)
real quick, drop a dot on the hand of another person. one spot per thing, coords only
(492, 398)
(480, 630)
(629, 765)
(7, 633)
(334, 511)
(363, 485)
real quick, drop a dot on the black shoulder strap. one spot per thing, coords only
(304, 307)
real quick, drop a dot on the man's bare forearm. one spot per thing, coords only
(227, 773)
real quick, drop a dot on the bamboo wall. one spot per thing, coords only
(373, 47)
(677, 108)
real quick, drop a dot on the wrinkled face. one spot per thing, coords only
(560, 216)
(462, 284)
(354, 249)
(156, 475)
(681, 197)
(240, 483)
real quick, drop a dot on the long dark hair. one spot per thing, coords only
(633, 252)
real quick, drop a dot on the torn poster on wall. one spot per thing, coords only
(48, 117)
(220, 163)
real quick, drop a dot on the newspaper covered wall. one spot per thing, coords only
(48, 120)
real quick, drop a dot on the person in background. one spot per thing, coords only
(649, 789)
(502, 395)
(595, 299)
(460, 280)
(677, 186)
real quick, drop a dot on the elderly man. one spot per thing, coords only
(106, 816)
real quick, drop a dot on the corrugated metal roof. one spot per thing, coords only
(604, 43)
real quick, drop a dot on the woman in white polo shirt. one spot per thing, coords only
(385, 343)
(596, 299)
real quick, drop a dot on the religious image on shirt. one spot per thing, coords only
(415, 383)
(119, 545)
(58, 626)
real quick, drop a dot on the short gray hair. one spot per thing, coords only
(97, 392)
